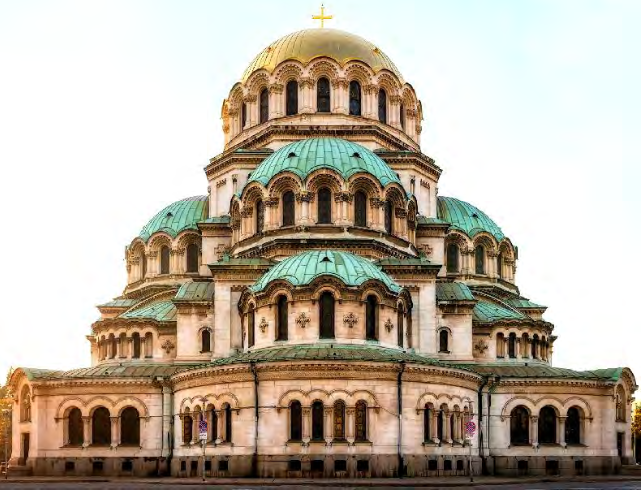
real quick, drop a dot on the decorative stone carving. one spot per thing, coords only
(480, 346)
(302, 320)
(221, 183)
(167, 346)
(263, 325)
(350, 320)
(305, 196)
(389, 326)
(375, 202)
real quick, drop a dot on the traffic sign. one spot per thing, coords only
(202, 430)
(470, 428)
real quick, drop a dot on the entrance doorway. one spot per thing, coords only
(620, 443)
(25, 448)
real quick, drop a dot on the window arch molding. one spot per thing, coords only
(444, 332)
(203, 333)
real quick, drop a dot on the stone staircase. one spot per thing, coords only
(630, 469)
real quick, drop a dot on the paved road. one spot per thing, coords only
(147, 486)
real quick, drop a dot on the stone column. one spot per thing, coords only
(305, 198)
(518, 348)
(393, 115)
(276, 101)
(457, 425)
(436, 415)
(86, 431)
(327, 424)
(534, 430)
(529, 352)
(306, 105)
(305, 415)
(129, 341)
(446, 422)
(561, 431)
(220, 422)
(339, 98)
(271, 213)
(350, 424)
(115, 433)
(250, 111)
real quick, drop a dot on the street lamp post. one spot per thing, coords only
(6, 413)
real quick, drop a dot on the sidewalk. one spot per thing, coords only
(326, 482)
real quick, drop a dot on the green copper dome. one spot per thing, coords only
(179, 216)
(302, 269)
(466, 217)
(305, 156)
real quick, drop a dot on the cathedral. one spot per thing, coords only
(321, 311)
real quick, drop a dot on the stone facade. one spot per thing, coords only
(323, 311)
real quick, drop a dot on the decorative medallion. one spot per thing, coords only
(350, 320)
(481, 346)
(388, 325)
(263, 325)
(168, 346)
(302, 320)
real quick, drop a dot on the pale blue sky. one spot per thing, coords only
(109, 110)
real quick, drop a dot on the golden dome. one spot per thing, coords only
(308, 44)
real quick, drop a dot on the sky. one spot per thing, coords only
(110, 110)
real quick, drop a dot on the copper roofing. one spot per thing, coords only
(536, 370)
(195, 291)
(162, 311)
(305, 45)
(177, 217)
(486, 312)
(466, 217)
(454, 291)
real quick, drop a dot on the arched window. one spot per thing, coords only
(440, 422)
(452, 258)
(260, 216)
(149, 345)
(339, 420)
(130, 427)
(535, 347)
(620, 404)
(371, 317)
(480, 256)
(143, 262)
(519, 426)
(205, 340)
(135, 345)
(400, 325)
(188, 423)
(360, 209)
(388, 217)
(250, 327)
(75, 427)
(501, 345)
(164, 259)
(402, 116)
(512, 344)
(291, 98)
(282, 318)
(192, 257)
(288, 208)
(296, 421)
(317, 421)
(500, 265)
(323, 95)
(228, 423)
(264, 101)
(547, 425)
(428, 415)
(243, 115)
(326, 315)
(324, 206)
(100, 427)
(213, 422)
(111, 340)
(361, 421)
(443, 340)
(383, 106)
(573, 426)
(355, 98)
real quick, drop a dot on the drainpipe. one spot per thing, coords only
(480, 437)
(255, 455)
(402, 365)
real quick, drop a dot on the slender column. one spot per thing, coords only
(561, 431)
(350, 427)
(86, 431)
(305, 413)
(119, 348)
(518, 348)
(327, 424)
(446, 422)
(195, 420)
(167, 417)
(435, 435)
(115, 433)
(529, 352)
(534, 430)
(129, 341)
(220, 421)
(456, 424)
(306, 85)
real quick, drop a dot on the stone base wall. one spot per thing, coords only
(132, 467)
(514, 466)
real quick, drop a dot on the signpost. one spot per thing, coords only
(202, 436)
(470, 432)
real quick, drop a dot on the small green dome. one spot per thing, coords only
(305, 156)
(466, 217)
(303, 268)
(179, 216)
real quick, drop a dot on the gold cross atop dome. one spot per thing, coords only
(322, 17)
